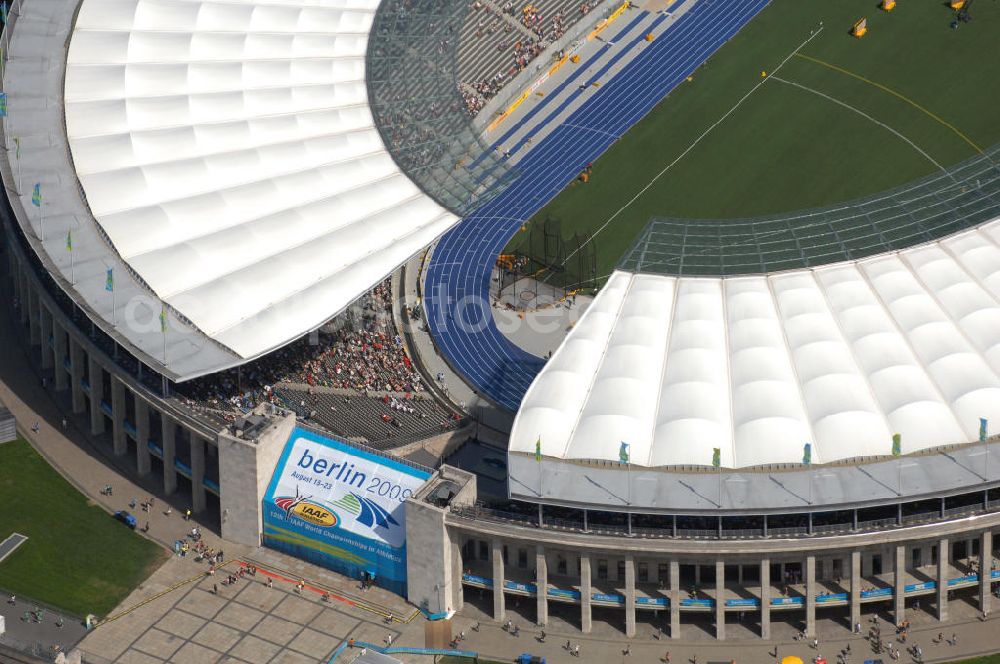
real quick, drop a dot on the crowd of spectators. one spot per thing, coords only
(542, 30)
(358, 351)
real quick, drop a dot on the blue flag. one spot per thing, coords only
(3, 104)
(109, 280)
(983, 425)
(36, 196)
(3, 12)
(807, 454)
(623, 453)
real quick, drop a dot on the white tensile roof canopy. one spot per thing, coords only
(229, 157)
(842, 357)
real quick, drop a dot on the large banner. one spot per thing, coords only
(340, 507)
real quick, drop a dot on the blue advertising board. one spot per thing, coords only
(341, 507)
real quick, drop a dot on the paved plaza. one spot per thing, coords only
(248, 622)
(177, 617)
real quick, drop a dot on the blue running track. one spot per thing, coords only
(456, 293)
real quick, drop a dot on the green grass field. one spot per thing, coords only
(77, 557)
(787, 148)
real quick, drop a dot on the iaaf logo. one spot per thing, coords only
(365, 511)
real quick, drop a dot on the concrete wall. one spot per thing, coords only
(433, 562)
(429, 577)
(245, 469)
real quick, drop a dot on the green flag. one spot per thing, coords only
(623, 453)
(716, 457)
(897, 444)
(538, 450)
(69, 240)
(163, 320)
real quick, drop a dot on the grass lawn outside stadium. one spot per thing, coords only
(77, 557)
(813, 134)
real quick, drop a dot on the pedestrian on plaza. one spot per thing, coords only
(666, 658)
(131, 504)
(187, 515)
(60, 622)
(12, 601)
(541, 637)
(35, 427)
(270, 583)
(627, 651)
(169, 511)
(64, 423)
(954, 639)
(517, 631)
(576, 650)
(215, 588)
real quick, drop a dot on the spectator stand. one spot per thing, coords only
(562, 36)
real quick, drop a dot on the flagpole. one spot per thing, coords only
(899, 476)
(720, 486)
(628, 481)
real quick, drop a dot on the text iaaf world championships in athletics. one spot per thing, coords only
(363, 543)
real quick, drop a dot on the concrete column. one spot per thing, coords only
(855, 588)
(197, 472)
(585, 594)
(45, 322)
(76, 360)
(810, 595)
(458, 589)
(542, 586)
(96, 391)
(118, 436)
(720, 600)
(629, 596)
(59, 355)
(168, 440)
(142, 458)
(499, 611)
(34, 324)
(675, 599)
(22, 284)
(943, 571)
(985, 567)
(899, 579)
(765, 598)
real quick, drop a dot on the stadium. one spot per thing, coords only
(269, 252)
